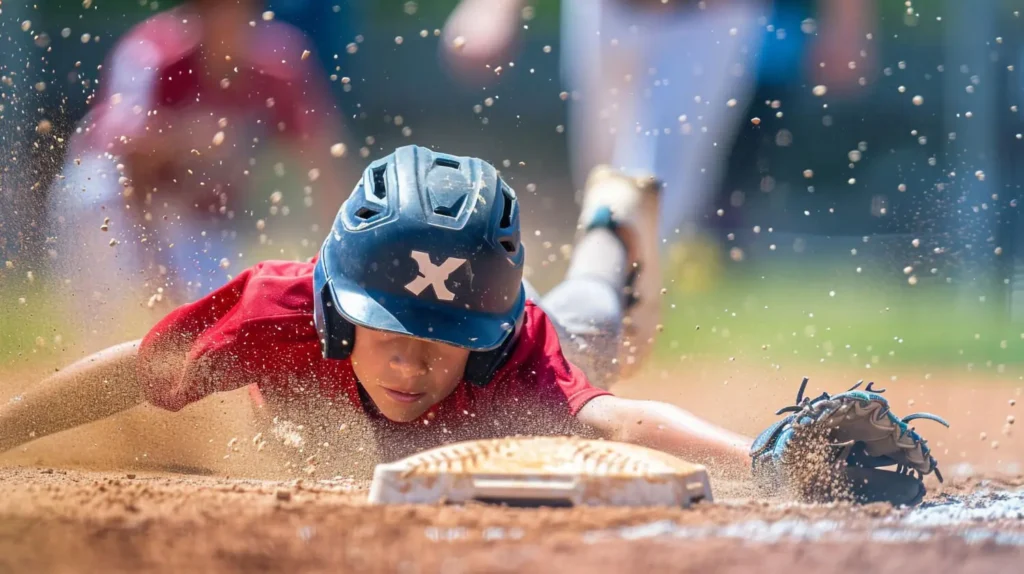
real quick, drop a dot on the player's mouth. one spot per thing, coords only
(403, 397)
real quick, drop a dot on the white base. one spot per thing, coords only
(541, 471)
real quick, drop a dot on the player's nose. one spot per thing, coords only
(408, 365)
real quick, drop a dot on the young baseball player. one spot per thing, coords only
(161, 161)
(413, 316)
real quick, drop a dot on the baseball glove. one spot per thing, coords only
(836, 447)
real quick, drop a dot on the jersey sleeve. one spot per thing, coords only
(183, 358)
(542, 370)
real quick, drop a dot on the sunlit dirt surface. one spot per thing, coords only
(158, 491)
(54, 520)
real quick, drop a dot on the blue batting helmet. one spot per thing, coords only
(428, 245)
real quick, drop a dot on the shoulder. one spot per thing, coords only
(258, 327)
(275, 306)
(279, 288)
(538, 338)
(538, 369)
(159, 40)
(271, 293)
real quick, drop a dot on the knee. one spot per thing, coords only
(586, 307)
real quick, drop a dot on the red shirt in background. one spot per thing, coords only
(157, 66)
(258, 329)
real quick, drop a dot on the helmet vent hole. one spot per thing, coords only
(446, 162)
(506, 209)
(508, 245)
(366, 212)
(380, 188)
(452, 210)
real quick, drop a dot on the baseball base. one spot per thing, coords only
(541, 471)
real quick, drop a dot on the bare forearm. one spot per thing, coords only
(671, 429)
(91, 389)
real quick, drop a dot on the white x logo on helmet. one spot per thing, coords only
(433, 275)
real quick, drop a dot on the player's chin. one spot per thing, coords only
(403, 413)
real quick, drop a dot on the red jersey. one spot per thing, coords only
(258, 329)
(158, 67)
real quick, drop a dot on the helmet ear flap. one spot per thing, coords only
(337, 336)
(482, 365)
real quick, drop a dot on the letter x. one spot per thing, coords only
(433, 275)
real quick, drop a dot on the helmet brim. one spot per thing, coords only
(406, 316)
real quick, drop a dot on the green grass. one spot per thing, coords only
(790, 317)
(22, 323)
(782, 315)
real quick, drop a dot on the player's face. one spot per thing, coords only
(406, 376)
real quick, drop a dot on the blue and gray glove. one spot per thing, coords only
(835, 448)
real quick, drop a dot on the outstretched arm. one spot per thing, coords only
(667, 428)
(88, 390)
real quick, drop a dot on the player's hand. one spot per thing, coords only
(479, 33)
(171, 145)
(154, 155)
(835, 448)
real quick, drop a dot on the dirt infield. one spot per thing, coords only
(135, 497)
(74, 521)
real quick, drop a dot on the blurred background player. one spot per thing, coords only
(649, 83)
(160, 172)
(658, 88)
